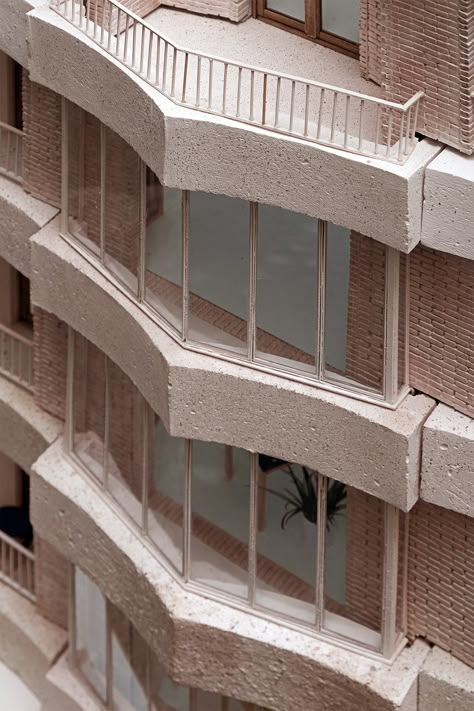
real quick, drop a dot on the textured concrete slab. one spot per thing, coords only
(13, 21)
(65, 691)
(448, 212)
(445, 684)
(201, 641)
(447, 476)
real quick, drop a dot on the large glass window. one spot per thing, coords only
(251, 282)
(90, 637)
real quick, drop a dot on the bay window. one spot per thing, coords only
(278, 290)
(274, 536)
(332, 22)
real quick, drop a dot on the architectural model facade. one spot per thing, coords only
(236, 354)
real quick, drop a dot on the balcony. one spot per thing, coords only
(314, 111)
(16, 357)
(11, 152)
(17, 566)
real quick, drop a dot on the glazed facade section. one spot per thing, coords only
(280, 290)
(120, 667)
(267, 534)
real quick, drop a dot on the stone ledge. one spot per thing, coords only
(445, 684)
(201, 642)
(376, 449)
(447, 475)
(66, 692)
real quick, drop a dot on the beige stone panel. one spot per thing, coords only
(29, 643)
(200, 397)
(447, 475)
(20, 216)
(193, 150)
(25, 430)
(13, 21)
(200, 641)
(445, 684)
(66, 692)
(448, 211)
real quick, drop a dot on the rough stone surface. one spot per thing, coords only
(447, 476)
(25, 430)
(29, 643)
(200, 397)
(263, 662)
(445, 684)
(448, 212)
(13, 21)
(188, 149)
(20, 216)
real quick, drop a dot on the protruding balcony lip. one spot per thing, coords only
(393, 125)
(11, 164)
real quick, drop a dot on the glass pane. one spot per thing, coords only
(220, 516)
(355, 309)
(218, 271)
(354, 552)
(84, 185)
(286, 541)
(89, 405)
(291, 8)
(166, 493)
(122, 209)
(125, 442)
(90, 622)
(164, 250)
(287, 287)
(165, 694)
(129, 664)
(341, 18)
(207, 701)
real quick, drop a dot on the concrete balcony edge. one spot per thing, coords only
(201, 397)
(445, 684)
(192, 150)
(202, 642)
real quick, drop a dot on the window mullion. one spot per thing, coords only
(70, 390)
(108, 658)
(105, 477)
(65, 166)
(146, 426)
(392, 287)
(321, 298)
(322, 488)
(187, 523)
(252, 290)
(142, 233)
(103, 158)
(252, 580)
(185, 243)
(390, 580)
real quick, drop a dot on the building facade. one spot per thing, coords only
(236, 354)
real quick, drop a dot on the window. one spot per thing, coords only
(331, 22)
(119, 665)
(279, 290)
(272, 534)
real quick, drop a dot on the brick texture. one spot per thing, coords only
(51, 583)
(441, 579)
(50, 362)
(442, 327)
(372, 18)
(42, 142)
(428, 45)
(235, 10)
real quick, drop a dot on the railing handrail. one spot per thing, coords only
(252, 68)
(14, 544)
(12, 129)
(17, 336)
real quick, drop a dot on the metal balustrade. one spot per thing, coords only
(11, 152)
(16, 357)
(17, 566)
(282, 103)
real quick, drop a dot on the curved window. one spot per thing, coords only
(278, 290)
(269, 534)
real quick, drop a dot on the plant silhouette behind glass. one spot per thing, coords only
(303, 499)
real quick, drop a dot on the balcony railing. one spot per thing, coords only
(16, 357)
(17, 566)
(11, 152)
(282, 103)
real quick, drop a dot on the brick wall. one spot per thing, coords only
(372, 18)
(442, 327)
(441, 579)
(50, 362)
(427, 45)
(235, 10)
(51, 583)
(42, 142)
(366, 306)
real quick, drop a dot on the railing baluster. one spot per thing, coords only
(198, 82)
(389, 132)
(320, 115)
(95, 18)
(292, 105)
(173, 75)
(165, 66)
(134, 43)
(407, 131)
(88, 12)
(8, 151)
(142, 48)
(185, 77)
(224, 88)
(239, 89)
(264, 99)
(277, 102)
(117, 39)
(158, 57)
(102, 24)
(125, 44)
(361, 122)
(400, 138)
(377, 129)
(333, 115)
(306, 110)
(346, 120)
(79, 2)
(209, 96)
(252, 89)
(109, 39)
(150, 52)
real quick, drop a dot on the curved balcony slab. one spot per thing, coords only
(447, 474)
(20, 216)
(14, 24)
(190, 149)
(198, 396)
(66, 692)
(446, 684)
(25, 429)
(30, 644)
(202, 642)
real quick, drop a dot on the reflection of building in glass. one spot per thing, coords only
(236, 372)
